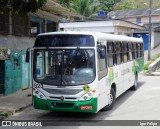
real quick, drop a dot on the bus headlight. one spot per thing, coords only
(38, 94)
(86, 97)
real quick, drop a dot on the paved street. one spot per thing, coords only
(143, 104)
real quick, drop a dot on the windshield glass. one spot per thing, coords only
(64, 67)
(64, 40)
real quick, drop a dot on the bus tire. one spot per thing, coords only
(134, 87)
(112, 97)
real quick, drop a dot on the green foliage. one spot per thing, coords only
(22, 6)
(65, 3)
(89, 7)
(108, 5)
(85, 7)
(134, 4)
(151, 61)
(146, 66)
(3, 3)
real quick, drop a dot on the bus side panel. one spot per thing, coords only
(128, 75)
(103, 93)
(118, 78)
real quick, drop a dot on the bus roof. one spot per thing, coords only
(99, 36)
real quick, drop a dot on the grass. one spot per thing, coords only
(151, 61)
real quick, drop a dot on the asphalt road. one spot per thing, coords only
(142, 104)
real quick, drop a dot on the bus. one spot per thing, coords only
(83, 71)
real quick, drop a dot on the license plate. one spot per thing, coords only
(86, 107)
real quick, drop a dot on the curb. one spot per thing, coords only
(152, 74)
(6, 114)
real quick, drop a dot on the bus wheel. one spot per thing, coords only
(112, 100)
(134, 87)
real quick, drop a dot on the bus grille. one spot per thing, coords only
(63, 92)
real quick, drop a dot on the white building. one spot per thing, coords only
(119, 27)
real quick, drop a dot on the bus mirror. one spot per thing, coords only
(27, 55)
(102, 52)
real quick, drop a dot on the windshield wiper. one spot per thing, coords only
(73, 57)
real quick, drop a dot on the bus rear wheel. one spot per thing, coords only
(112, 100)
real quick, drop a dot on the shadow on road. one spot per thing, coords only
(89, 116)
(123, 98)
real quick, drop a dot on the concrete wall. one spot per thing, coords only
(156, 39)
(122, 30)
(16, 42)
(154, 66)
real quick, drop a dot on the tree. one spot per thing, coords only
(65, 3)
(85, 7)
(108, 5)
(21, 6)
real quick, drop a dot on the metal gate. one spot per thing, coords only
(2, 71)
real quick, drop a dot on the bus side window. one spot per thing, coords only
(114, 53)
(133, 54)
(138, 50)
(130, 51)
(121, 51)
(110, 54)
(102, 63)
(135, 50)
(118, 53)
(142, 53)
(125, 52)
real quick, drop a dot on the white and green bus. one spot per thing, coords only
(84, 71)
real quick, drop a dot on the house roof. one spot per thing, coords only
(133, 13)
(54, 11)
(55, 8)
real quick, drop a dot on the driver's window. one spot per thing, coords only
(39, 65)
(102, 63)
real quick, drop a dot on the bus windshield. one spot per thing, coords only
(64, 40)
(64, 67)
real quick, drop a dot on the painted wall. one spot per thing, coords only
(15, 42)
(17, 73)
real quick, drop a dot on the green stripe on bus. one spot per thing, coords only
(138, 65)
(49, 105)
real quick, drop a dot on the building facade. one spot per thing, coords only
(141, 17)
(17, 33)
(118, 27)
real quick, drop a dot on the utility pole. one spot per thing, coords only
(149, 29)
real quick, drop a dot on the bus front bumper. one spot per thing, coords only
(66, 106)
